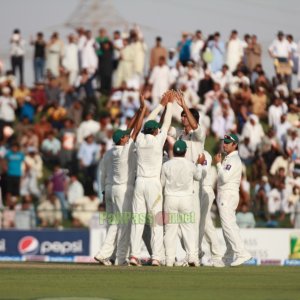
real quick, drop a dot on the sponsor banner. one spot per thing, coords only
(84, 259)
(271, 262)
(47, 242)
(252, 262)
(11, 258)
(34, 258)
(60, 259)
(295, 246)
(292, 262)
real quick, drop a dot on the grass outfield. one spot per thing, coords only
(38, 280)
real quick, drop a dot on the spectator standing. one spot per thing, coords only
(234, 51)
(39, 57)
(253, 53)
(54, 51)
(217, 49)
(156, 52)
(57, 187)
(17, 52)
(14, 159)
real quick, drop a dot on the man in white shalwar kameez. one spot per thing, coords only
(160, 80)
(125, 67)
(89, 57)
(70, 61)
(234, 51)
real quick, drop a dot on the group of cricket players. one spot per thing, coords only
(169, 196)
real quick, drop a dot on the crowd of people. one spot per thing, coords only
(54, 135)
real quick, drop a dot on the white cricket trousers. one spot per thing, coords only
(147, 199)
(196, 225)
(122, 201)
(227, 203)
(180, 217)
(207, 227)
(110, 242)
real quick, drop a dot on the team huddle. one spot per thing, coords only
(140, 180)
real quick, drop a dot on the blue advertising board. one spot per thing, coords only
(47, 242)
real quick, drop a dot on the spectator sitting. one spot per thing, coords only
(259, 102)
(25, 214)
(261, 203)
(50, 149)
(68, 143)
(245, 218)
(294, 201)
(85, 208)
(293, 145)
(9, 212)
(21, 93)
(32, 171)
(29, 139)
(27, 109)
(254, 130)
(275, 201)
(75, 190)
(49, 212)
(282, 130)
(87, 127)
(245, 152)
(56, 115)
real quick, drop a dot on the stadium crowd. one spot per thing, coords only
(54, 134)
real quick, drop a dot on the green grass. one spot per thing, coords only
(31, 281)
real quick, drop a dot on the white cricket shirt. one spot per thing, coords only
(230, 172)
(178, 175)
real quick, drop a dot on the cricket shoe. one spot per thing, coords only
(134, 261)
(155, 263)
(169, 264)
(240, 260)
(227, 260)
(218, 263)
(194, 263)
(102, 261)
(206, 262)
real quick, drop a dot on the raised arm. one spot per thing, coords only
(180, 100)
(140, 117)
(159, 108)
(168, 114)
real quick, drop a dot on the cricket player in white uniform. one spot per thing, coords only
(123, 166)
(229, 179)
(194, 135)
(177, 180)
(106, 177)
(207, 227)
(147, 200)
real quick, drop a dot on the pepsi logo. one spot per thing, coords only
(28, 245)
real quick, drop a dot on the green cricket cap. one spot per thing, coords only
(151, 125)
(231, 138)
(180, 146)
(118, 134)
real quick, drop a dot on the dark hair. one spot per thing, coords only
(194, 112)
(158, 39)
